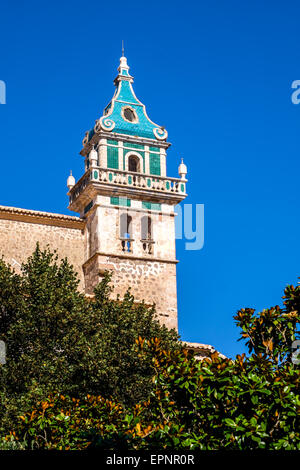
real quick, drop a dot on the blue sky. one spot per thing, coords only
(218, 76)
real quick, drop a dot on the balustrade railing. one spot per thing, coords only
(148, 246)
(139, 180)
(129, 179)
(126, 244)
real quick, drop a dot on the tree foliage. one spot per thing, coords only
(57, 339)
(209, 405)
(120, 380)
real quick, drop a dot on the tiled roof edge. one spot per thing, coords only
(29, 213)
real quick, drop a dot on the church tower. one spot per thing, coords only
(127, 201)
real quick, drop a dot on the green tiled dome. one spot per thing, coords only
(125, 114)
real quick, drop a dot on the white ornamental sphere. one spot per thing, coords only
(182, 169)
(93, 157)
(123, 62)
(71, 181)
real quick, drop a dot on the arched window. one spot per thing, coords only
(126, 232)
(146, 228)
(147, 234)
(133, 164)
(125, 226)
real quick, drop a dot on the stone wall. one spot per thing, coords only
(151, 276)
(152, 281)
(103, 223)
(21, 229)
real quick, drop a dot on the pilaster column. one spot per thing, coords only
(102, 153)
(147, 160)
(163, 164)
(121, 152)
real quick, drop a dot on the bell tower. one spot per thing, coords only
(128, 202)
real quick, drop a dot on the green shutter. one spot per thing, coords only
(155, 164)
(113, 157)
(120, 201)
(123, 201)
(155, 207)
(146, 205)
(114, 201)
(133, 146)
(151, 206)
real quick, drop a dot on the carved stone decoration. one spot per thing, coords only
(85, 139)
(160, 133)
(107, 124)
(97, 127)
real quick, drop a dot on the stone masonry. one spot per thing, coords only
(21, 229)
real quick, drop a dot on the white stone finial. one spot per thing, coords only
(93, 157)
(123, 65)
(182, 170)
(71, 181)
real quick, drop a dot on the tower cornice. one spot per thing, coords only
(93, 142)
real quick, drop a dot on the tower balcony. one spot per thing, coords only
(111, 182)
